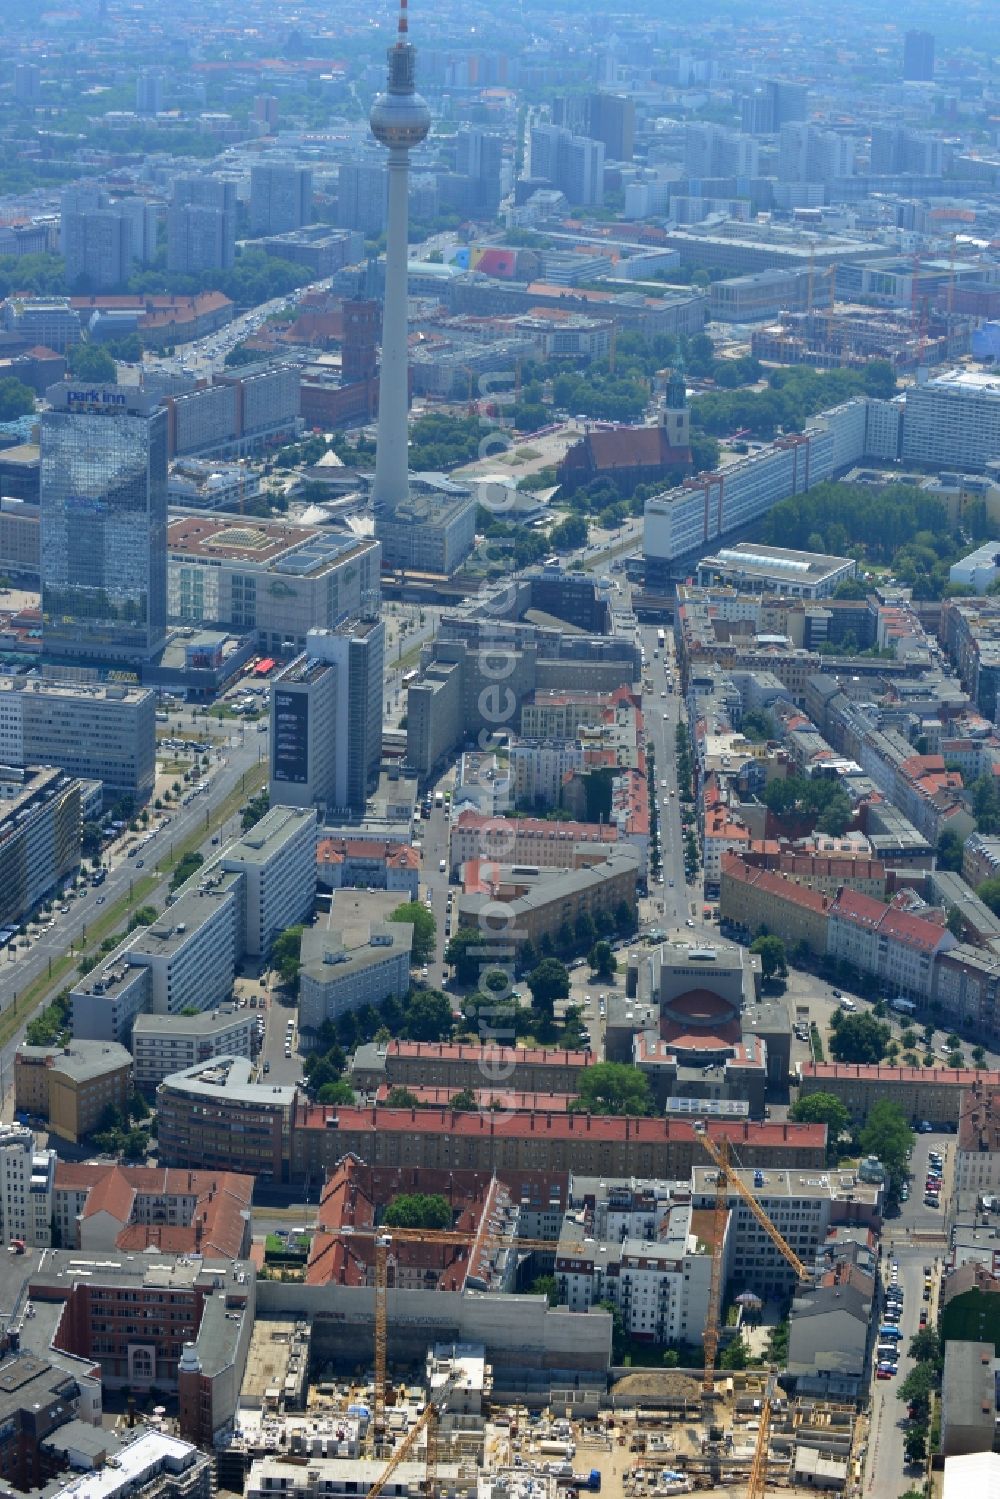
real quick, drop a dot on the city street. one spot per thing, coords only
(917, 1238)
(90, 903)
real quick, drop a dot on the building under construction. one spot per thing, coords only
(849, 338)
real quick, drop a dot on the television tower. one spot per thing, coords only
(399, 119)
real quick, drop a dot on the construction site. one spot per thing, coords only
(307, 1428)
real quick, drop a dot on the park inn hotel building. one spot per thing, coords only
(103, 520)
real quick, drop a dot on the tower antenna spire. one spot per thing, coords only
(399, 120)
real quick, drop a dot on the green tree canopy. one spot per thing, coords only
(90, 362)
(336, 1092)
(466, 951)
(949, 851)
(822, 1108)
(401, 1098)
(424, 929)
(187, 866)
(547, 983)
(771, 951)
(254, 810)
(602, 960)
(418, 1210)
(859, 1038)
(810, 797)
(427, 1016)
(613, 1088)
(16, 399)
(286, 955)
(888, 1135)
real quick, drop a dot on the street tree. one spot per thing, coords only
(823, 1108)
(887, 1135)
(424, 929)
(547, 983)
(771, 951)
(859, 1038)
(613, 1088)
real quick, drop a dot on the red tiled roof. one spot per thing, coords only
(955, 1077)
(520, 1102)
(903, 926)
(772, 883)
(716, 1039)
(539, 1056)
(113, 1194)
(498, 1125)
(341, 850)
(216, 1224)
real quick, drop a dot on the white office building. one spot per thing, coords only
(101, 732)
(278, 859)
(345, 970)
(660, 1281)
(190, 950)
(537, 770)
(162, 1044)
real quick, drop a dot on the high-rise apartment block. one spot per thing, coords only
(280, 197)
(103, 525)
(27, 83)
(98, 249)
(479, 162)
(326, 720)
(27, 1175)
(361, 196)
(265, 110)
(149, 92)
(918, 57)
(896, 150)
(611, 120)
(808, 154)
(773, 104)
(40, 832)
(573, 164)
(711, 151)
(201, 225)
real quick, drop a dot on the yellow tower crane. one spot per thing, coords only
(758, 1468)
(426, 1421)
(727, 1178)
(383, 1257)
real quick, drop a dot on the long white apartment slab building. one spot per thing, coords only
(691, 519)
(232, 907)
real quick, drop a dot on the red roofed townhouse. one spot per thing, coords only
(897, 946)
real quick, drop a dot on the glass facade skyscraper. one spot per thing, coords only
(103, 525)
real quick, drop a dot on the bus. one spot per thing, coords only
(903, 1006)
(661, 639)
(408, 677)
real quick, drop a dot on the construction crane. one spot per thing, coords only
(427, 1419)
(383, 1246)
(383, 1243)
(711, 1333)
(758, 1468)
(727, 1177)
